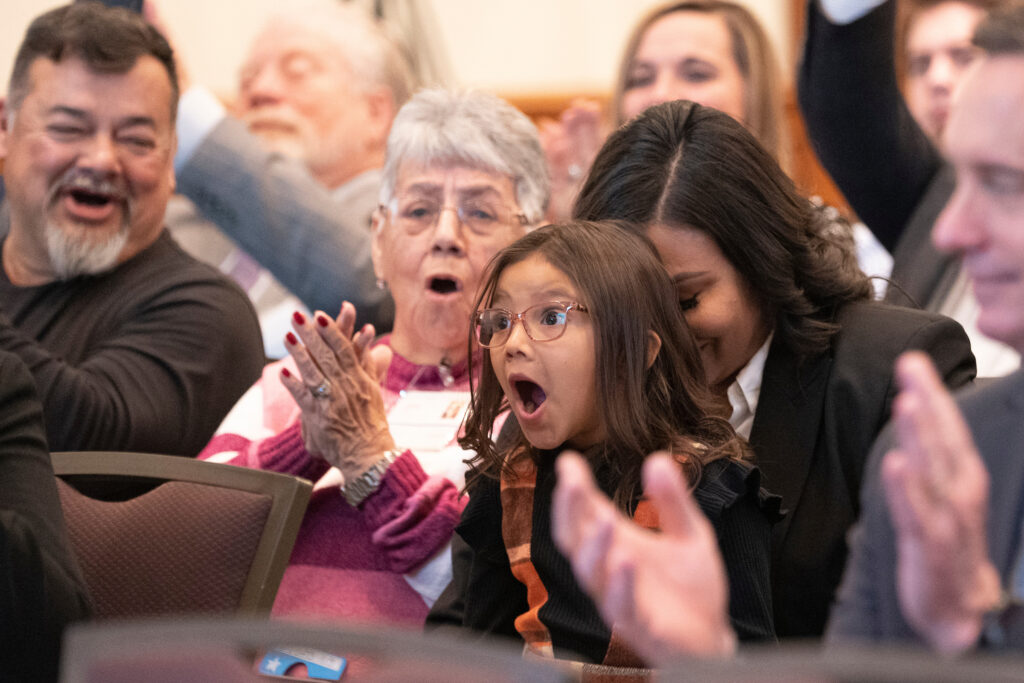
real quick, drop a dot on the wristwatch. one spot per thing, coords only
(360, 488)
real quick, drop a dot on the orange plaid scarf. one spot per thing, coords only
(517, 491)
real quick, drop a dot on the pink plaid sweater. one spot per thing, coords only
(352, 563)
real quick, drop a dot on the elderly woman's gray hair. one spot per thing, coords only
(473, 129)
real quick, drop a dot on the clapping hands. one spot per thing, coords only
(343, 416)
(937, 489)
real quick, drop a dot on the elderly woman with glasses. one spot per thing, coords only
(374, 422)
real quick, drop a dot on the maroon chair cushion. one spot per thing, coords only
(180, 548)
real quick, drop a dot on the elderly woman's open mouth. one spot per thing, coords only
(444, 284)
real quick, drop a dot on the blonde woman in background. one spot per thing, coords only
(712, 52)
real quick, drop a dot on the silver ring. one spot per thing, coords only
(322, 390)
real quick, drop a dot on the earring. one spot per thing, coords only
(382, 284)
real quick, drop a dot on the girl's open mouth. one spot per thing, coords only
(530, 394)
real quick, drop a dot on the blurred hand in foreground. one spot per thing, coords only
(665, 593)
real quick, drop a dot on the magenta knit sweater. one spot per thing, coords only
(350, 562)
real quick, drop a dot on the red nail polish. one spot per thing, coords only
(285, 373)
(291, 339)
(322, 321)
(299, 318)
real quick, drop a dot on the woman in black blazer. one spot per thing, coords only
(789, 335)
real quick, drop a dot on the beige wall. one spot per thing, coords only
(520, 46)
(544, 46)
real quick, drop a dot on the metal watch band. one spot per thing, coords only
(360, 488)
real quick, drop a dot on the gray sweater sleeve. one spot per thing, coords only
(318, 247)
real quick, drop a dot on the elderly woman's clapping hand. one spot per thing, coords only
(343, 416)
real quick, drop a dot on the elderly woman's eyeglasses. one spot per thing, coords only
(415, 214)
(543, 322)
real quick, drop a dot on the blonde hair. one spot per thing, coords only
(754, 56)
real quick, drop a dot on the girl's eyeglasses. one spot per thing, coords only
(542, 322)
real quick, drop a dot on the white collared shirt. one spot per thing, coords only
(745, 390)
(994, 358)
(847, 11)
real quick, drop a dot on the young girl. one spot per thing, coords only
(584, 343)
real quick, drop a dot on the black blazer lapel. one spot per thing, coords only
(787, 421)
(922, 274)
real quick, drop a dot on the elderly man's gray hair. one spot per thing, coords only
(372, 48)
(473, 129)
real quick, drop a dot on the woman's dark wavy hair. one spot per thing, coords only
(683, 165)
(627, 295)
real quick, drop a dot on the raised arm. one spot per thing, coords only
(316, 244)
(857, 120)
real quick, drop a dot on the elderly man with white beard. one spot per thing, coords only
(281, 197)
(133, 345)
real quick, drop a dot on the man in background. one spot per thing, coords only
(289, 185)
(934, 51)
(133, 344)
(938, 552)
(880, 154)
(938, 555)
